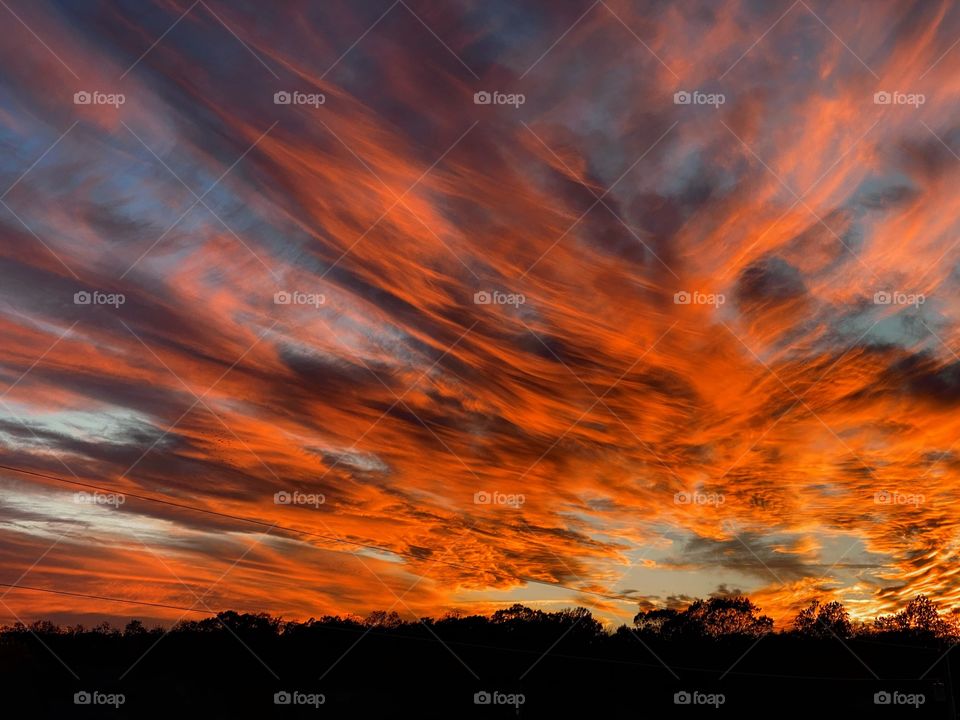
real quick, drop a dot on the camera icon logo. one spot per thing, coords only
(882, 98)
(482, 98)
(682, 698)
(482, 698)
(282, 498)
(482, 498)
(82, 98)
(681, 298)
(482, 298)
(882, 298)
(282, 698)
(282, 98)
(882, 698)
(82, 698)
(681, 97)
(82, 297)
(682, 498)
(282, 297)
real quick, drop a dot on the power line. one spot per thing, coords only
(104, 597)
(308, 533)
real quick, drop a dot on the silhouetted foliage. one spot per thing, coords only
(232, 664)
(920, 617)
(714, 617)
(133, 628)
(824, 620)
(380, 618)
(660, 621)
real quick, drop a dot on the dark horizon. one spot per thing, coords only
(693, 660)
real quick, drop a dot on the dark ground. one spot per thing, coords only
(562, 665)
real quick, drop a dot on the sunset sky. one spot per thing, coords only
(681, 301)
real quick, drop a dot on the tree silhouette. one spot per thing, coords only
(729, 616)
(516, 649)
(824, 620)
(714, 617)
(920, 617)
(517, 613)
(133, 628)
(380, 618)
(660, 621)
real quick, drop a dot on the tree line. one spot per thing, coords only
(714, 617)
(562, 663)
